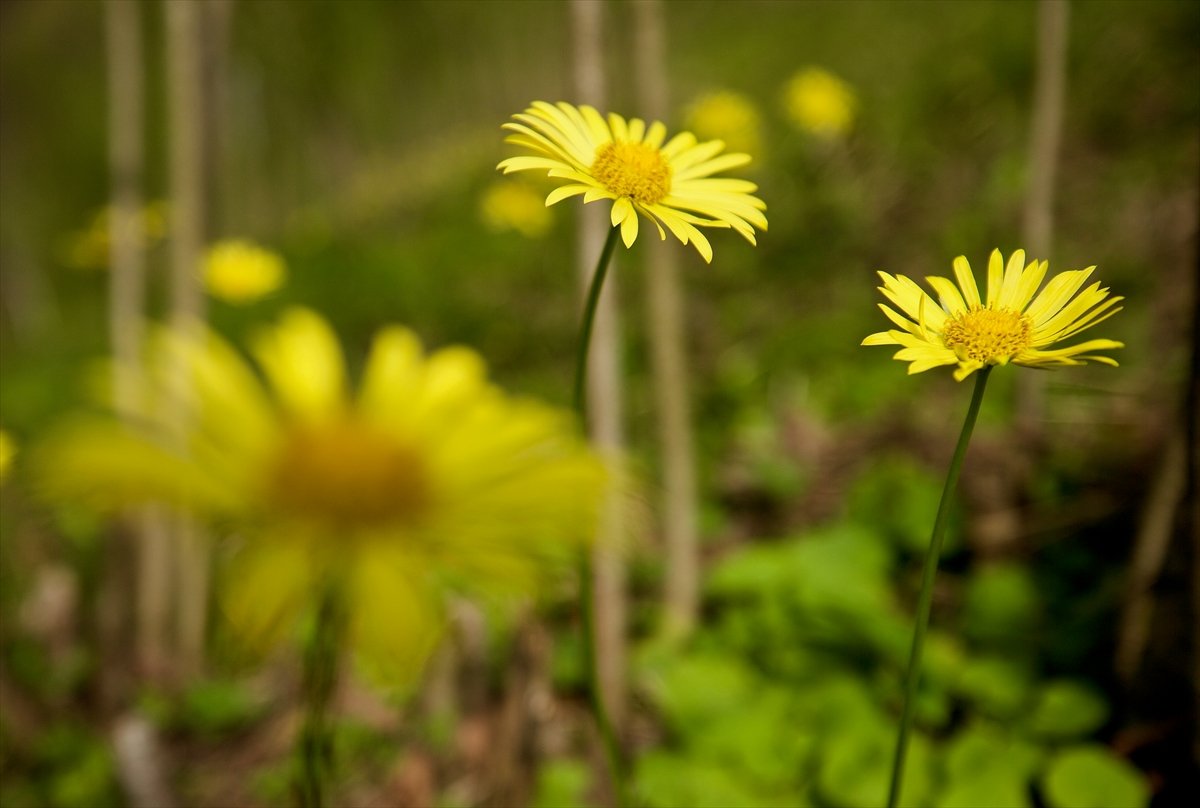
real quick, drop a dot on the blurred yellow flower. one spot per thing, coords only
(727, 116)
(429, 478)
(8, 450)
(89, 248)
(626, 161)
(970, 332)
(239, 271)
(508, 205)
(819, 102)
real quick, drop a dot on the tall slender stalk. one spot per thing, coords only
(127, 310)
(665, 329)
(926, 598)
(185, 111)
(608, 735)
(1045, 138)
(321, 654)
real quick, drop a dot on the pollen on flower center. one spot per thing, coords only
(634, 170)
(348, 475)
(987, 335)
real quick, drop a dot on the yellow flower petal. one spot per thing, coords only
(966, 282)
(302, 359)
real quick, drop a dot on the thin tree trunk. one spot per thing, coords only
(218, 19)
(1155, 529)
(1190, 516)
(1044, 144)
(127, 305)
(604, 388)
(185, 97)
(669, 373)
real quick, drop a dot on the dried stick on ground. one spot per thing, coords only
(1049, 97)
(669, 373)
(185, 113)
(604, 387)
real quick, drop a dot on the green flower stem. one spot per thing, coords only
(926, 598)
(608, 735)
(579, 399)
(321, 654)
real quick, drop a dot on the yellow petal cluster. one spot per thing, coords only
(670, 182)
(429, 478)
(1014, 323)
(240, 271)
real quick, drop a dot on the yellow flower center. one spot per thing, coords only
(634, 170)
(348, 475)
(987, 335)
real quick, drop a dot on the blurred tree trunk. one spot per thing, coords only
(1049, 92)
(217, 23)
(1190, 517)
(604, 388)
(127, 305)
(669, 373)
(185, 112)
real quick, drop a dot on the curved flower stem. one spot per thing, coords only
(321, 653)
(579, 398)
(608, 735)
(926, 598)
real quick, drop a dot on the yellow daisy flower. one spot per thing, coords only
(508, 205)
(8, 451)
(240, 271)
(626, 161)
(428, 479)
(729, 116)
(820, 102)
(1010, 326)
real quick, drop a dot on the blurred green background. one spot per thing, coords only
(358, 139)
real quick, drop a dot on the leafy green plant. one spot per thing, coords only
(789, 696)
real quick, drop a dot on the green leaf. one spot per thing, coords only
(899, 497)
(999, 687)
(1001, 606)
(562, 784)
(1065, 710)
(856, 765)
(982, 747)
(669, 780)
(692, 690)
(1091, 776)
(985, 768)
(988, 789)
(761, 743)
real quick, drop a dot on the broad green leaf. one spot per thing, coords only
(694, 689)
(1091, 776)
(562, 784)
(985, 768)
(900, 497)
(1001, 606)
(999, 687)
(856, 764)
(669, 780)
(763, 742)
(1065, 709)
